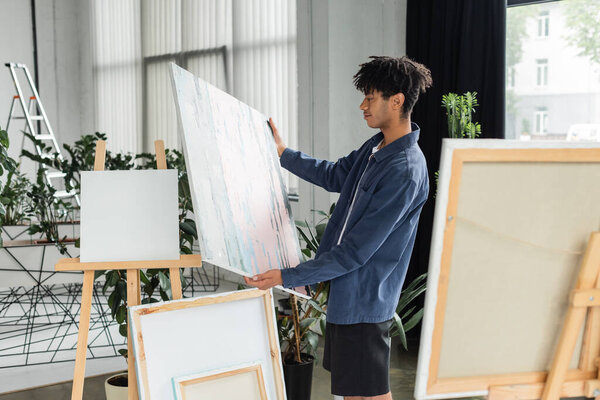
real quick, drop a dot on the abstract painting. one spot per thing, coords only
(241, 207)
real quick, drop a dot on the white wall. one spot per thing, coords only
(334, 37)
(63, 48)
(16, 45)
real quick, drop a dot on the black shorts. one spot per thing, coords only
(358, 357)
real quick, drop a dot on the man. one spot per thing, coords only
(366, 247)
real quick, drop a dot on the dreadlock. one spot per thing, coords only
(390, 76)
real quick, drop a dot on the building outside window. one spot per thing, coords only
(557, 93)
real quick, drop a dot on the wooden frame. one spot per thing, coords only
(179, 384)
(133, 286)
(136, 314)
(501, 386)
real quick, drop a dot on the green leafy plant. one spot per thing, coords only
(45, 211)
(6, 164)
(411, 315)
(312, 237)
(460, 110)
(311, 314)
(14, 198)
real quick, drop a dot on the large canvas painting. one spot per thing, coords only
(241, 207)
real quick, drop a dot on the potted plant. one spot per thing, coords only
(459, 110)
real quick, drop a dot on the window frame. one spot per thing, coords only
(541, 121)
(541, 72)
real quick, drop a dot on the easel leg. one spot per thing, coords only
(587, 278)
(82, 336)
(133, 299)
(176, 290)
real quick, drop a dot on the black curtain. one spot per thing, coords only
(462, 42)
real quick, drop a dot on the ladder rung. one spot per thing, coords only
(63, 193)
(44, 137)
(33, 117)
(53, 175)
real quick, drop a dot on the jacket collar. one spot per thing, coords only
(397, 145)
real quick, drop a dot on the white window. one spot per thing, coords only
(247, 48)
(543, 24)
(541, 122)
(542, 72)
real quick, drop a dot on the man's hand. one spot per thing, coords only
(265, 280)
(278, 142)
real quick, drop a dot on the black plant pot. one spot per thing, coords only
(298, 378)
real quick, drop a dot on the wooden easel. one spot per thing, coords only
(585, 296)
(133, 286)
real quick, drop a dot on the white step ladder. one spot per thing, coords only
(30, 114)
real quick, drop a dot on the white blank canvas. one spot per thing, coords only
(129, 215)
(176, 338)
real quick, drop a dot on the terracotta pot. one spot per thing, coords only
(116, 387)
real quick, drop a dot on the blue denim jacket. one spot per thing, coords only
(368, 267)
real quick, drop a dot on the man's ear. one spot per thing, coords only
(397, 101)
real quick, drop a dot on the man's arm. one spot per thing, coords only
(326, 174)
(390, 204)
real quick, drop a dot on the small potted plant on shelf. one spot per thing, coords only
(460, 110)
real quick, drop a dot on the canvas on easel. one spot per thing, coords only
(133, 268)
(241, 207)
(140, 223)
(513, 221)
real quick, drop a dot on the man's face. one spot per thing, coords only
(377, 111)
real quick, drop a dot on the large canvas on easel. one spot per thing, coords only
(207, 333)
(512, 222)
(241, 207)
